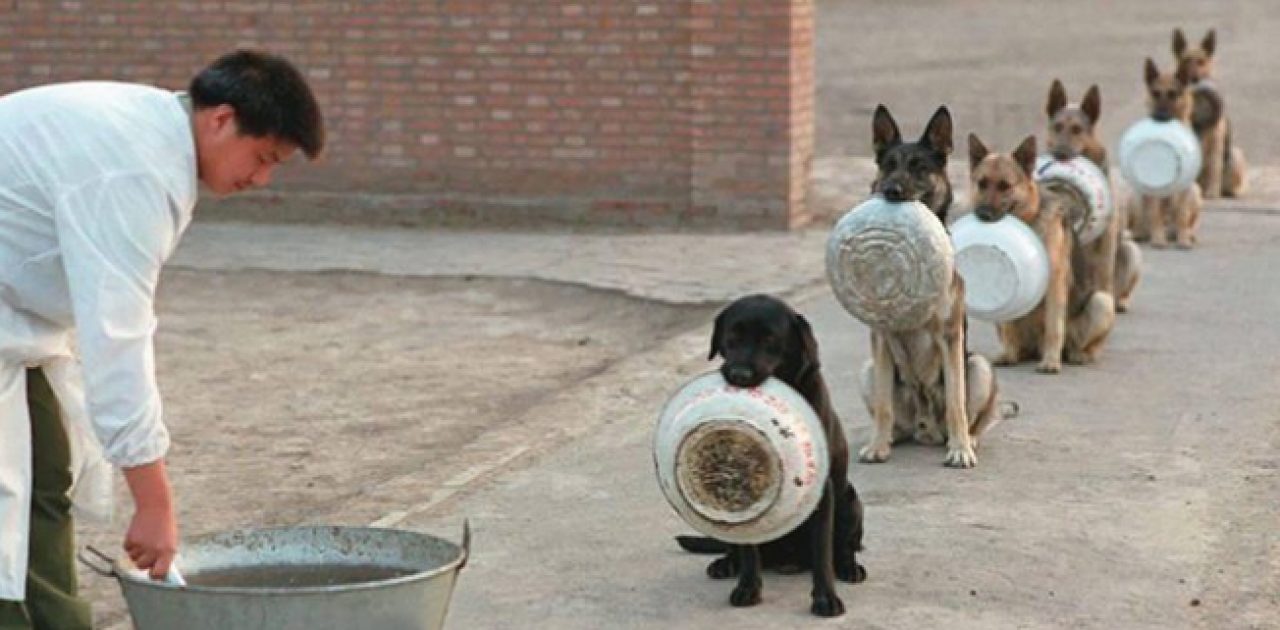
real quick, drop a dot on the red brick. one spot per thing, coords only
(634, 112)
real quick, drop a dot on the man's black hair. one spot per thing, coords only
(269, 95)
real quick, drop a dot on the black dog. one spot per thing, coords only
(917, 170)
(760, 336)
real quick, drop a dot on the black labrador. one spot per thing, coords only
(760, 336)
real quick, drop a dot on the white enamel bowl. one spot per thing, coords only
(1159, 158)
(1087, 179)
(1004, 266)
(889, 263)
(744, 466)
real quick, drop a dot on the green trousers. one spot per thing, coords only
(51, 602)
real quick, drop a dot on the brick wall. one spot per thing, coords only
(632, 112)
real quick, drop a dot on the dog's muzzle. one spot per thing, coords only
(894, 191)
(740, 375)
(986, 213)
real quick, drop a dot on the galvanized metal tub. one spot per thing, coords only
(407, 582)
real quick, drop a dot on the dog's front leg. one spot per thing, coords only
(1153, 210)
(747, 593)
(1055, 307)
(826, 603)
(1214, 159)
(1187, 216)
(959, 444)
(882, 384)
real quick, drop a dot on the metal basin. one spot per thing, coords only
(313, 578)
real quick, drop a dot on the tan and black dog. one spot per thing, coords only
(1222, 171)
(1168, 98)
(1075, 316)
(924, 383)
(1113, 259)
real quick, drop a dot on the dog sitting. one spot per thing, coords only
(1222, 171)
(924, 383)
(1168, 98)
(760, 336)
(1113, 259)
(1075, 317)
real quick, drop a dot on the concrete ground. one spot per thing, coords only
(416, 379)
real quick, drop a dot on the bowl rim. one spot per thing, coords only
(129, 574)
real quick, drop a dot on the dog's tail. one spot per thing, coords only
(701, 544)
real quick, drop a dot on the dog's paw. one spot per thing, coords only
(874, 453)
(1122, 306)
(745, 595)
(961, 457)
(827, 605)
(722, 568)
(851, 574)
(1184, 244)
(1049, 367)
(1159, 244)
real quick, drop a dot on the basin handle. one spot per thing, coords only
(466, 543)
(90, 562)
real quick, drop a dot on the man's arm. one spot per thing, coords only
(114, 232)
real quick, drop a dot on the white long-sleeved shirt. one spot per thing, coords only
(97, 183)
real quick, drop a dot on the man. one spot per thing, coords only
(97, 183)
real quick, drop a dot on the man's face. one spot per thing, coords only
(232, 162)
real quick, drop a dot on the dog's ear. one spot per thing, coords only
(1025, 155)
(1092, 104)
(717, 335)
(977, 150)
(1151, 72)
(937, 133)
(884, 131)
(1179, 43)
(807, 345)
(1057, 98)
(1208, 43)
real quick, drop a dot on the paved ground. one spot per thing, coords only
(414, 379)
(1137, 493)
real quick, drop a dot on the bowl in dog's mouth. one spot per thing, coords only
(889, 263)
(1004, 266)
(742, 465)
(1159, 158)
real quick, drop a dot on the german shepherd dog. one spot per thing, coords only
(1169, 98)
(1113, 259)
(760, 336)
(924, 383)
(1075, 316)
(1222, 171)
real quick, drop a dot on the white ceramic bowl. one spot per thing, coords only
(743, 466)
(889, 263)
(1004, 266)
(1159, 158)
(1085, 177)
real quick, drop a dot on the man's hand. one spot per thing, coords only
(152, 539)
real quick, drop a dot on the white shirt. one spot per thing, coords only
(97, 183)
